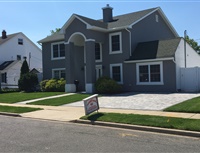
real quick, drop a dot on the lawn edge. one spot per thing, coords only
(10, 114)
(140, 128)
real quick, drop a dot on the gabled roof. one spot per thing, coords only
(5, 64)
(2, 41)
(8, 37)
(155, 49)
(119, 22)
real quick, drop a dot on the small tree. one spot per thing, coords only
(24, 68)
(27, 81)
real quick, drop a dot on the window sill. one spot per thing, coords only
(150, 83)
(58, 58)
(115, 52)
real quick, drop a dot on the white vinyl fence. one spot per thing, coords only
(190, 79)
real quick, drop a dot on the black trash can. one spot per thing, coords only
(76, 82)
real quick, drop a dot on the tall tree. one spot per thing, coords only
(193, 44)
(55, 31)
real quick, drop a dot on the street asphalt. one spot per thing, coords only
(129, 103)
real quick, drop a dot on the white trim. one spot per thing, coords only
(76, 33)
(56, 43)
(121, 71)
(148, 64)
(90, 40)
(70, 88)
(100, 60)
(89, 87)
(110, 43)
(129, 41)
(56, 69)
(98, 67)
(150, 60)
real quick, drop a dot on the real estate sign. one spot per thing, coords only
(91, 104)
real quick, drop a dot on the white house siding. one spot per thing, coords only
(192, 60)
(13, 74)
(10, 49)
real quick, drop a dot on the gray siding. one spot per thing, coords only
(49, 64)
(148, 29)
(169, 79)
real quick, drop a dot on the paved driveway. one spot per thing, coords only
(142, 101)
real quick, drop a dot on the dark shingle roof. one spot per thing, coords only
(54, 37)
(155, 49)
(128, 19)
(5, 64)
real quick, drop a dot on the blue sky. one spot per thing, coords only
(35, 18)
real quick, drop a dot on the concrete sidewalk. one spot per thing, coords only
(69, 113)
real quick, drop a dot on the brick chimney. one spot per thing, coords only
(107, 13)
(4, 36)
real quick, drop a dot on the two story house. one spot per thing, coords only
(141, 51)
(13, 49)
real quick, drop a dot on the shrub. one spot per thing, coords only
(43, 84)
(106, 85)
(53, 85)
(28, 82)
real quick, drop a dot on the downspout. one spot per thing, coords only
(129, 40)
(177, 90)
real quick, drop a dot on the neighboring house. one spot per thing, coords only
(10, 73)
(15, 47)
(141, 51)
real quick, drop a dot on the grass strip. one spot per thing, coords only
(19, 110)
(188, 106)
(146, 120)
(20, 96)
(61, 100)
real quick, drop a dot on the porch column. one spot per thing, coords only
(69, 65)
(90, 65)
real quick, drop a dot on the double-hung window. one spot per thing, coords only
(58, 73)
(58, 50)
(20, 41)
(149, 73)
(115, 43)
(4, 77)
(98, 52)
(116, 72)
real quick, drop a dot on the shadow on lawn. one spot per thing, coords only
(94, 117)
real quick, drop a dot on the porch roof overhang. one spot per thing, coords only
(149, 60)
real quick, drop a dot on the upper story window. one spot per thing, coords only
(115, 43)
(150, 73)
(98, 52)
(58, 50)
(20, 41)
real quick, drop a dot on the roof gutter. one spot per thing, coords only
(149, 60)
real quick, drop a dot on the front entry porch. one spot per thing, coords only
(80, 63)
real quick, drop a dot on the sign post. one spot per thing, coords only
(91, 104)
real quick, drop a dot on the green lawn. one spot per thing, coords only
(188, 106)
(146, 120)
(61, 100)
(18, 110)
(20, 96)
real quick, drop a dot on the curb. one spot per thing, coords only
(10, 114)
(141, 128)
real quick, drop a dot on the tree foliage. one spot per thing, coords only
(24, 68)
(55, 31)
(27, 81)
(193, 44)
